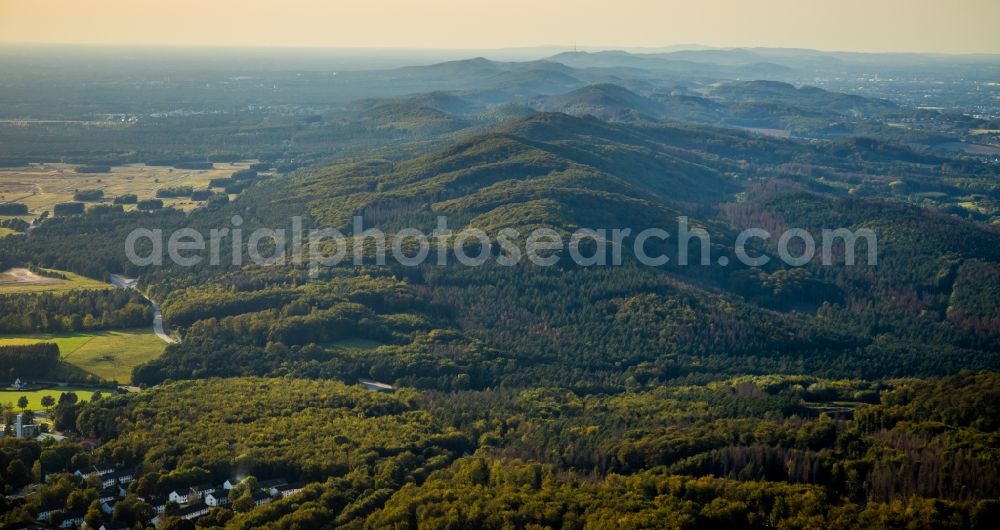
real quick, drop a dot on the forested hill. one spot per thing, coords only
(914, 313)
(917, 312)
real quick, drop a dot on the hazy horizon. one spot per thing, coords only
(892, 26)
(514, 50)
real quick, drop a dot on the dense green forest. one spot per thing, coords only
(909, 315)
(268, 427)
(747, 452)
(29, 359)
(73, 311)
(905, 316)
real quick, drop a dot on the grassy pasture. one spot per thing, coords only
(16, 281)
(35, 396)
(26, 218)
(41, 186)
(109, 355)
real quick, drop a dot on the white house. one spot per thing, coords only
(191, 494)
(72, 520)
(291, 489)
(193, 511)
(180, 496)
(217, 498)
(124, 477)
(199, 491)
(19, 385)
(106, 473)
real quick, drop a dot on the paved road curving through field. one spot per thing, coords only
(131, 283)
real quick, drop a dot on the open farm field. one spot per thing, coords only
(110, 355)
(35, 396)
(20, 280)
(42, 186)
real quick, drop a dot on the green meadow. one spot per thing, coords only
(10, 397)
(109, 355)
(16, 281)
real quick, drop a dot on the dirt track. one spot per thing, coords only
(22, 276)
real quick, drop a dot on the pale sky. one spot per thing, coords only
(953, 26)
